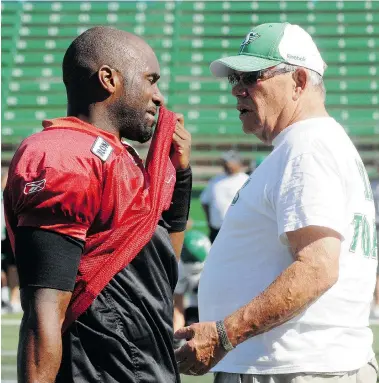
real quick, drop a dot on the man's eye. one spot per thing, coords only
(233, 79)
(250, 78)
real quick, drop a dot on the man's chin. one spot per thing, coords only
(145, 135)
(141, 134)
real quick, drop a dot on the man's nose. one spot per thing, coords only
(239, 91)
(158, 98)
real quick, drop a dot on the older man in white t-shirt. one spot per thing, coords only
(220, 191)
(286, 289)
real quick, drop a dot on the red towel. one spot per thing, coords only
(122, 244)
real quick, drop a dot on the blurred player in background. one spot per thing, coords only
(375, 192)
(95, 230)
(10, 290)
(254, 164)
(220, 191)
(286, 289)
(196, 247)
(5, 306)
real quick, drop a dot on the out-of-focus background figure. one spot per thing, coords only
(196, 247)
(10, 290)
(220, 191)
(254, 163)
(375, 193)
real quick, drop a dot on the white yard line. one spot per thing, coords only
(9, 353)
(8, 367)
(11, 322)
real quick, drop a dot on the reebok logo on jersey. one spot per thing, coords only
(34, 187)
(101, 148)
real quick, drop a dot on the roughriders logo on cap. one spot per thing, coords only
(34, 187)
(250, 37)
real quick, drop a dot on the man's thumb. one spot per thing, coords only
(184, 333)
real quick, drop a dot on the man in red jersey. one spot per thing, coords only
(95, 232)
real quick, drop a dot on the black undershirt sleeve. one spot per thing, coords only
(176, 217)
(47, 259)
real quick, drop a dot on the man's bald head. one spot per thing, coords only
(111, 80)
(101, 46)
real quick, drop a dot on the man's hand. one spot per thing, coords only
(181, 145)
(202, 351)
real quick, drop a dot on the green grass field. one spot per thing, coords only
(9, 338)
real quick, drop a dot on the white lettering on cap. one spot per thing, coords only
(298, 48)
(101, 148)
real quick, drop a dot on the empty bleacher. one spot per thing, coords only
(187, 36)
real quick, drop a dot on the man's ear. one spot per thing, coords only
(107, 78)
(300, 77)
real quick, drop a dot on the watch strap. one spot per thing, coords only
(223, 336)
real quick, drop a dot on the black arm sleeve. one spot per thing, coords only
(176, 216)
(47, 259)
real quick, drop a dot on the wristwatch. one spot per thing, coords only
(223, 336)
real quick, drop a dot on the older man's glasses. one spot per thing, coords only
(247, 79)
(250, 78)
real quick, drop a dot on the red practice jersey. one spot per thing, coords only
(75, 179)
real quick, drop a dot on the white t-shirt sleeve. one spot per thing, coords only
(310, 192)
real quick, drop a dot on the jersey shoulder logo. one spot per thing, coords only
(101, 148)
(34, 187)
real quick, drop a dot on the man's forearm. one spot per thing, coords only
(177, 240)
(40, 344)
(39, 352)
(291, 293)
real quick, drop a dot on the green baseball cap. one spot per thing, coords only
(268, 45)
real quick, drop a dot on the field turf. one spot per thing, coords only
(9, 337)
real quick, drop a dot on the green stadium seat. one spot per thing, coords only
(33, 44)
(10, 7)
(231, 44)
(33, 87)
(32, 100)
(9, 19)
(249, 19)
(285, 6)
(22, 115)
(186, 37)
(37, 72)
(89, 6)
(71, 32)
(6, 44)
(241, 30)
(127, 19)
